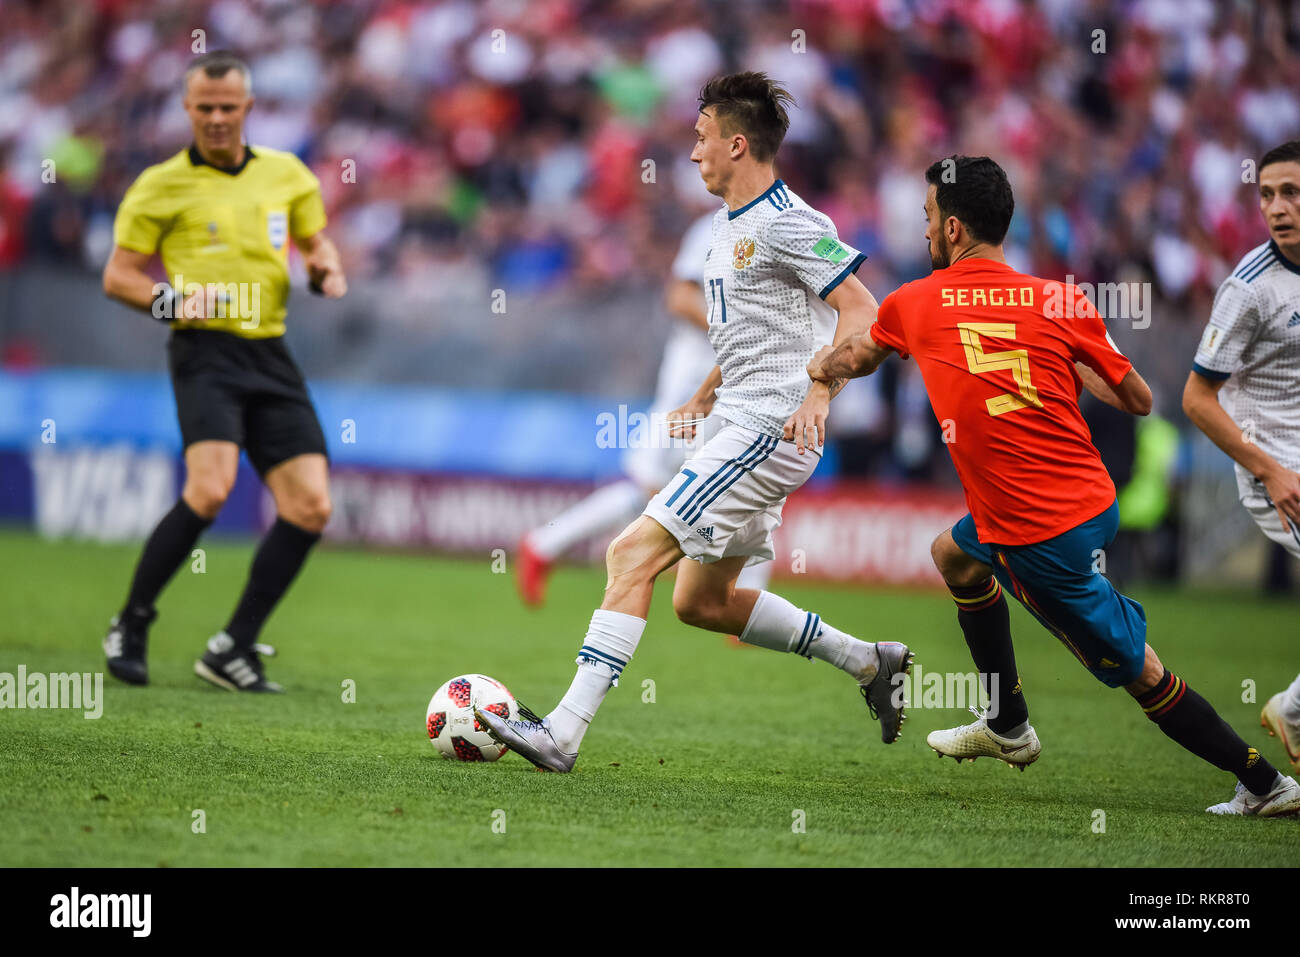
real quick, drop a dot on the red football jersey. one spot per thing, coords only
(997, 350)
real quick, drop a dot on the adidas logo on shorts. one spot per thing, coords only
(706, 533)
(1294, 321)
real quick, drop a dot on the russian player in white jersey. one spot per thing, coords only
(779, 285)
(655, 459)
(1245, 382)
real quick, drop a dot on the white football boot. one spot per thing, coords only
(1283, 800)
(977, 740)
(1279, 727)
(529, 737)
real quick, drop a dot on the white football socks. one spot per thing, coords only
(613, 505)
(1291, 702)
(775, 623)
(611, 639)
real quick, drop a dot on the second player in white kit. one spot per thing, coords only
(1244, 388)
(779, 285)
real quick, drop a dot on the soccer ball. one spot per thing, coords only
(452, 727)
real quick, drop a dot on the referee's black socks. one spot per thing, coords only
(986, 624)
(275, 565)
(1190, 720)
(167, 547)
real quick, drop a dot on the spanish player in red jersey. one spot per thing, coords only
(1004, 357)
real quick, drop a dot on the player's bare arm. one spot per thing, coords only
(324, 267)
(857, 311)
(851, 359)
(127, 279)
(1201, 405)
(1131, 395)
(685, 299)
(682, 421)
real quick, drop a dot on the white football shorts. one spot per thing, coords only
(1270, 523)
(727, 499)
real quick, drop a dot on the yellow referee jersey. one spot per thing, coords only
(230, 229)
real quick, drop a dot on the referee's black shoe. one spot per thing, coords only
(126, 643)
(233, 668)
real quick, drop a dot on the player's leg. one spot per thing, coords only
(210, 468)
(1002, 731)
(300, 488)
(654, 542)
(1059, 583)
(985, 621)
(724, 510)
(286, 446)
(707, 596)
(1281, 713)
(1190, 720)
(633, 561)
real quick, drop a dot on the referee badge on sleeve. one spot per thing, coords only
(277, 228)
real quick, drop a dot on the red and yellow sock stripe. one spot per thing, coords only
(977, 597)
(1162, 699)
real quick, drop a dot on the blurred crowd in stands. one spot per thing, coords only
(512, 136)
(541, 145)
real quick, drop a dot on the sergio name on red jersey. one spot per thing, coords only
(997, 350)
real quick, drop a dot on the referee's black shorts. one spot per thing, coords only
(246, 391)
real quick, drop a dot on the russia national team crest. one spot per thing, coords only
(277, 228)
(742, 253)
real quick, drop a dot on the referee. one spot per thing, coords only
(221, 216)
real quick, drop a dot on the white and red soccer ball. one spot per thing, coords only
(450, 720)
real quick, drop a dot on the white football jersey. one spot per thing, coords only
(770, 266)
(1253, 341)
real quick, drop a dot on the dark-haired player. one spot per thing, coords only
(222, 215)
(1003, 355)
(775, 278)
(1250, 358)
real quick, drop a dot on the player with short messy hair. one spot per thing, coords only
(1244, 387)
(1004, 367)
(779, 284)
(222, 215)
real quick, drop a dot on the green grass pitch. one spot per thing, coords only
(737, 748)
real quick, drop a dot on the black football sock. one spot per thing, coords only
(1190, 720)
(166, 549)
(277, 561)
(986, 622)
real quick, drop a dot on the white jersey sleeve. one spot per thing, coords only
(1252, 346)
(806, 241)
(1234, 321)
(689, 263)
